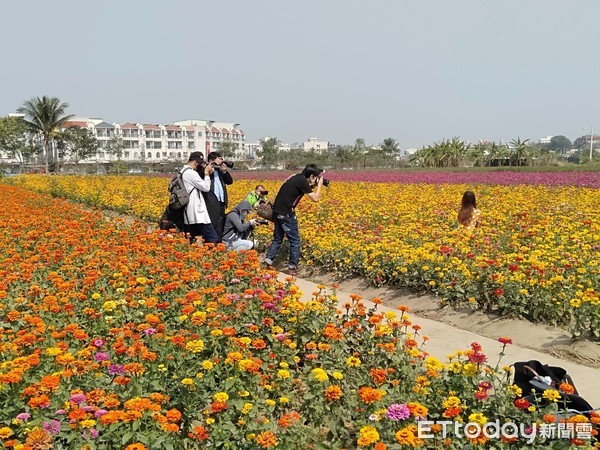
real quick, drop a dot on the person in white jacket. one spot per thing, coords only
(196, 219)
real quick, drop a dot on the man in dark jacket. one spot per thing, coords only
(216, 198)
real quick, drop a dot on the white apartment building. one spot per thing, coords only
(545, 139)
(156, 143)
(314, 144)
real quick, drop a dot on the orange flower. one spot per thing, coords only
(333, 392)
(267, 439)
(136, 446)
(370, 395)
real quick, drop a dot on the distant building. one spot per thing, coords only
(157, 143)
(314, 144)
(545, 140)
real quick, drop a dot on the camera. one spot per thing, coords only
(227, 163)
(262, 222)
(325, 182)
(264, 193)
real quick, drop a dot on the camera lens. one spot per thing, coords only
(325, 182)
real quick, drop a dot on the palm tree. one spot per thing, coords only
(520, 148)
(45, 116)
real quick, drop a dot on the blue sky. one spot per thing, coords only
(417, 71)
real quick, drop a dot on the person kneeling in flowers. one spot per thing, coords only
(236, 230)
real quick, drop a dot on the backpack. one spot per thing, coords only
(172, 219)
(179, 196)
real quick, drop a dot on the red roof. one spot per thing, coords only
(129, 126)
(74, 123)
(189, 127)
(173, 128)
(241, 131)
(215, 130)
(234, 131)
(151, 127)
(225, 130)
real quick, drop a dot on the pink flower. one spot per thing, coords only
(281, 337)
(98, 342)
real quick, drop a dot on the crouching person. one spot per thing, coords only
(237, 230)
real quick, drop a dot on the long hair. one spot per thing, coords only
(468, 204)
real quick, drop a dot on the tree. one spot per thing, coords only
(269, 151)
(45, 116)
(115, 146)
(559, 144)
(227, 149)
(15, 139)
(389, 147)
(520, 150)
(79, 142)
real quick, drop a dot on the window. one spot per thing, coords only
(149, 155)
(135, 155)
(164, 154)
(157, 155)
(148, 134)
(191, 145)
(199, 133)
(126, 155)
(179, 155)
(157, 145)
(134, 133)
(157, 134)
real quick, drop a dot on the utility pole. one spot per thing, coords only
(591, 144)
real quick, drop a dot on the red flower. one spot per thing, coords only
(522, 403)
(499, 292)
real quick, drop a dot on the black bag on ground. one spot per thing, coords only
(172, 219)
(537, 377)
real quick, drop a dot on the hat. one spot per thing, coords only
(196, 156)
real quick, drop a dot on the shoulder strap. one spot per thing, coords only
(181, 176)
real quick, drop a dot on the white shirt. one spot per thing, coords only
(195, 211)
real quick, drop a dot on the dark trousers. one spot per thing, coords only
(216, 212)
(205, 230)
(285, 225)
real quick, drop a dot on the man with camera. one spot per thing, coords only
(216, 198)
(284, 215)
(236, 230)
(258, 195)
(196, 218)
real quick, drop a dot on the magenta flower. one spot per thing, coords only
(398, 411)
(150, 331)
(116, 369)
(52, 427)
(77, 398)
(23, 416)
(98, 342)
(100, 413)
(101, 356)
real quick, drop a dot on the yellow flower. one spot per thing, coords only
(210, 421)
(5, 432)
(221, 397)
(284, 400)
(96, 296)
(478, 418)
(353, 361)
(283, 374)
(207, 365)
(551, 394)
(195, 346)
(337, 375)
(109, 305)
(187, 382)
(270, 402)
(319, 374)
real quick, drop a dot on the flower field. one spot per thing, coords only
(115, 338)
(534, 256)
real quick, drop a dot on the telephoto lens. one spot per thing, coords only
(228, 164)
(326, 182)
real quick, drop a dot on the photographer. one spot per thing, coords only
(284, 215)
(237, 230)
(196, 218)
(216, 198)
(258, 195)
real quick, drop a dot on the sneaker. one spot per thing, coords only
(292, 270)
(268, 262)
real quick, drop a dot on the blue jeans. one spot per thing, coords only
(285, 225)
(204, 230)
(240, 244)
